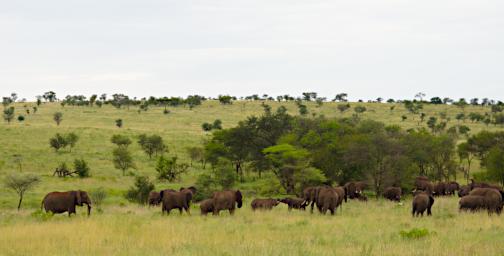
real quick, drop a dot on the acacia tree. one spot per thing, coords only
(152, 144)
(21, 183)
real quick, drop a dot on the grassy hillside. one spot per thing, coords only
(180, 129)
(372, 228)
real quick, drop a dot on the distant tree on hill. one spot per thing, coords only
(308, 96)
(474, 101)
(152, 144)
(420, 96)
(303, 110)
(58, 117)
(92, 99)
(436, 101)
(49, 96)
(460, 116)
(225, 99)
(122, 159)
(8, 114)
(359, 109)
(341, 97)
(447, 101)
(390, 101)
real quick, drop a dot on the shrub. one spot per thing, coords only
(98, 196)
(224, 173)
(81, 168)
(206, 127)
(120, 140)
(139, 192)
(122, 159)
(414, 233)
(217, 124)
(8, 114)
(21, 118)
(57, 142)
(71, 139)
(119, 123)
(168, 169)
(58, 117)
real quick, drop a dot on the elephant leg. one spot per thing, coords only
(312, 205)
(332, 211)
(180, 210)
(231, 211)
(188, 210)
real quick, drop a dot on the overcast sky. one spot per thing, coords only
(366, 48)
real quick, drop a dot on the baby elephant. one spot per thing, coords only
(296, 203)
(422, 201)
(472, 203)
(207, 206)
(264, 204)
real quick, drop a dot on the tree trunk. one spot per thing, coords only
(20, 201)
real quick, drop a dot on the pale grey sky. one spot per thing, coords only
(366, 48)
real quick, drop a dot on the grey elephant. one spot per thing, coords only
(421, 202)
(60, 202)
(175, 200)
(264, 204)
(227, 200)
(328, 199)
(392, 193)
(472, 203)
(206, 206)
(493, 198)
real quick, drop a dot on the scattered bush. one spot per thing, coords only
(168, 169)
(414, 233)
(152, 144)
(81, 168)
(139, 192)
(122, 159)
(119, 123)
(8, 114)
(58, 117)
(120, 140)
(98, 196)
(20, 118)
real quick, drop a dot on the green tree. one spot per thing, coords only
(119, 123)
(120, 140)
(495, 164)
(21, 183)
(168, 169)
(8, 114)
(217, 124)
(58, 142)
(206, 127)
(152, 144)
(122, 159)
(71, 139)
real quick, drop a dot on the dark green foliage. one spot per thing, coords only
(343, 107)
(8, 114)
(120, 140)
(222, 176)
(206, 127)
(119, 123)
(71, 139)
(303, 110)
(225, 99)
(139, 193)
(495, 164)
(217, 124)
(57, 142)
(81, 168)
(168, 169)
(152, 144)
(21, 118)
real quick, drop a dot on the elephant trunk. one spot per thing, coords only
(88, 209)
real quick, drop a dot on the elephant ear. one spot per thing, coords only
(239, 198)
(78, 197)
(161, 195)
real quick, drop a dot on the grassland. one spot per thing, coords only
(126, 229)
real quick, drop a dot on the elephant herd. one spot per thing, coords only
(473, 197)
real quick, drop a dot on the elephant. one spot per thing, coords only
(294, 203)
(327, 199)
(154, 198)
(190, 192)
(421, 202)
(342, 195)
(310, 196)
(175, 200)
(362, 198)
(439, 189)
(351, 188)
(451, 187)
(264, 204)
(424, 185)
(227, 200)
(493, 198)
(207, 206)
(60, 202)
(392, 193)
(464, 190)
(472, 203)
(360, 186)
(474, 185)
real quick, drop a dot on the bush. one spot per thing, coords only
(152, 144)
(414, 233)
(57, 142)
(120, 140)
(81, 168)
(206, 186)
(98, 196)
(21, 118)
(119, 123)
(168, 169)
(58, 117)
(217, 124)
(206, 127)
(139, 193)
(224, 174)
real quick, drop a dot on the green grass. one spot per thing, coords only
(362, 229)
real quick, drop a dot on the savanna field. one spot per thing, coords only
(376, 227)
